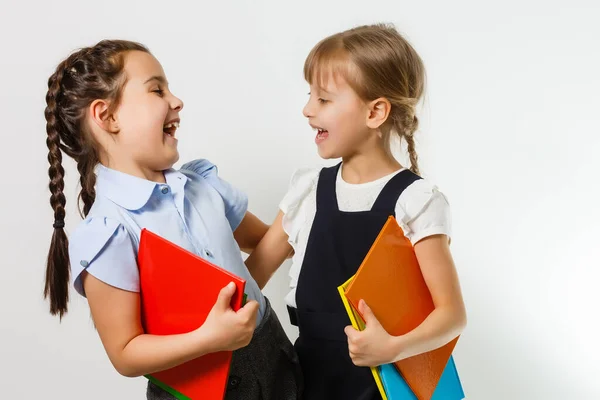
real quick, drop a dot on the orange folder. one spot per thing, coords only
(389, 280)
(178, 290)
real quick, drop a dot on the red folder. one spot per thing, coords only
(389, 280)
(178, 290)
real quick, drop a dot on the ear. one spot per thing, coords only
(379, 110)
(101, 116)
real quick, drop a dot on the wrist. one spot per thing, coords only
(205, 341)
(398, 346)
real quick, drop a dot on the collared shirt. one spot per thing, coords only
(194, 209)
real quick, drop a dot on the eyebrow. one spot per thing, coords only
(159, 78)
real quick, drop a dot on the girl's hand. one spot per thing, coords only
(373, 346)
(117, 313)
(225, 329)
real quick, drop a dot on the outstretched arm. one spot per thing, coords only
(270, 253)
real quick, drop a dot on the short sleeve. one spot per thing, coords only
(236, 201)
(423, 210)
(103, 248)
(296, 204)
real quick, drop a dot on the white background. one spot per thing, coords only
(510, 132)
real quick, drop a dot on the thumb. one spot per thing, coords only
(250, 308)
(224, 299)
(350, 332)
(367, 313)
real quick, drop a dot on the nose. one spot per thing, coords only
(176, 103)
(308, 111)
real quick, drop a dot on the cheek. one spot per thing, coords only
(345, 120)
(141, 118)
(130, 117)
(336, 118)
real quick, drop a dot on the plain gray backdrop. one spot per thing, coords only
(509, 132)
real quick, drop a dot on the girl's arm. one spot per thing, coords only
(250, 231)
(374, 346)
(116, 314)
(270, 253)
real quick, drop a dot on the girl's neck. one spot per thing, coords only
(368, 166)
(135, 170)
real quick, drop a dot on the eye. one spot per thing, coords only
(159, 91)
(320, 99)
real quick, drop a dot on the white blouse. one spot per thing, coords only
(421, 211)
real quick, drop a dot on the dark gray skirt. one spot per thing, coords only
(266, 369)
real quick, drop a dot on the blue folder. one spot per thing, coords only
(448, 388)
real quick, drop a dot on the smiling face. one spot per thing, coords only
(365, 84)
(148, 114)
(338, 115)
(139, 137)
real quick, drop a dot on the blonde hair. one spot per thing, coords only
(376, 61)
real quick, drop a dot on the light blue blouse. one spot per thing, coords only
(194, 209)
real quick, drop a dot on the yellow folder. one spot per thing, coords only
(359, 324)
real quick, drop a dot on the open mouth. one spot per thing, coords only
(170, 128)
(322, 134)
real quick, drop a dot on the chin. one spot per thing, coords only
(323, 153)
(169, 161)
(173, 160)
(328, 154)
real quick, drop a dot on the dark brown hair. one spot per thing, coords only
(88, 74)
(376, 61)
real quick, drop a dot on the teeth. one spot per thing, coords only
(171, 125)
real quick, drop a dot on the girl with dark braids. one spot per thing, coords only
(109, 107)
